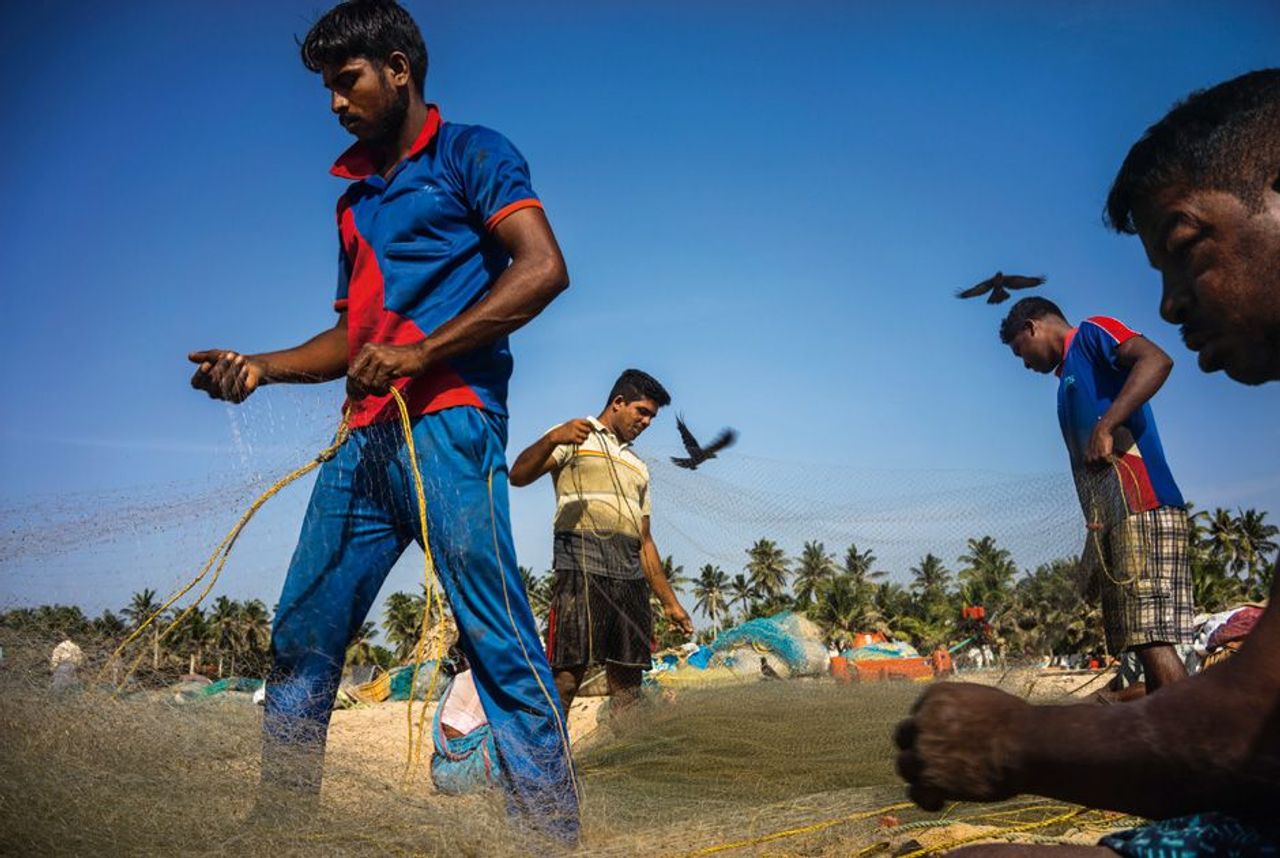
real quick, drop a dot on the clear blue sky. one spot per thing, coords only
(767, 206)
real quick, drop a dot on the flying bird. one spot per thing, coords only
(697, 453)
(999, 286)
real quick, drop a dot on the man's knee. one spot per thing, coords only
(567, 682)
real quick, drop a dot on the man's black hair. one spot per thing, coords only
(634, 384)
(1023, 312)
(1225, 138)
(373, 29)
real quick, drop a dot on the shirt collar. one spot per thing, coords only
(358, 161)
(1066, 347)
(608, 433)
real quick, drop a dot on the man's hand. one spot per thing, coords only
(1101, 445)
(962, 741)
(377, 365)
(574, 432)
(226, 375)
(679, 617)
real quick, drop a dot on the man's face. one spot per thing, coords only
(1037, 350)
(1220, 264)
(366, 98)
(632, 418)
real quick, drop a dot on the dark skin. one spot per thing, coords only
(1213, 741)
(626, 420)
(366, 96)
(1041, 345)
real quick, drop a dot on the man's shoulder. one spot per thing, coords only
(1108, 327)
(457, 138)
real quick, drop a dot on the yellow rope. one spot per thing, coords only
(220, 555)
(430, 591)
(223, 552)
(792, 832)
(1001, 831)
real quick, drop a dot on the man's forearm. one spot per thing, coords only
(321, 358)
(528, 464)
(651, 564)
(1209, 743)
(519, 294)
(1145, 379)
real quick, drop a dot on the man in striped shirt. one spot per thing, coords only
(605, 561)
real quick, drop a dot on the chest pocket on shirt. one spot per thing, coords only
(419, 249)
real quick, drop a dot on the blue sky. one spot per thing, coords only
(765, 205)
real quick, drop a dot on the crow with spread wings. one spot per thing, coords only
(999, 286)
(697, 453)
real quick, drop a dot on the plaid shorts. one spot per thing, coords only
(1146, 580)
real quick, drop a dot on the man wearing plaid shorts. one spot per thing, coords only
(1138, 540)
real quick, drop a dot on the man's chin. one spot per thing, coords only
(1246, 367)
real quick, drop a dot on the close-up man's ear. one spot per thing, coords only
(398, 63)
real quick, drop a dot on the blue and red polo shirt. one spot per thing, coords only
(1091, 379)
(417, 248)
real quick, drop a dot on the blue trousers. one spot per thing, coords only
(363, 514)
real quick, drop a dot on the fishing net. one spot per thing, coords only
(717, 757)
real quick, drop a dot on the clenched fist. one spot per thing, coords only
(377, 365)
(962, 741)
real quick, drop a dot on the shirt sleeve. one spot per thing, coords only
(561, 453)
(1104, 338)
(645, 506)
(495, 176)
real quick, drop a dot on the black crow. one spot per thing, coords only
(998, 286)
(697, 453)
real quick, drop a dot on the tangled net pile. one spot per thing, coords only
(803, 765)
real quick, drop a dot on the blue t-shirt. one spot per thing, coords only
(1091, 378)
(417, 249)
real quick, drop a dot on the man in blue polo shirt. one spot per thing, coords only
(444, 251)
(1137, 521)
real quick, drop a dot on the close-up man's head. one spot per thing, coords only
(1034, 331)
(373, 60)
(1201, 188)
(633, 403)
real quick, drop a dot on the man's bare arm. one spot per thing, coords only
(651, 564)
(230, 375)
(537, 274)
(538, 459)
(1209, 743)
(1148, 366)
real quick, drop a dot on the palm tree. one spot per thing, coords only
(815, 568)
(255, 632)
(1254, 545)
(224, 623)
(987, 575)
(767, 569)
(710, 591)
(191, 634)
(929, 581)
(892, 602)
(109, 626)
(1221, 537)
(360, 650)
(142, 606)
(675, 574)
(740, 593)
(402, 621)
(538, 589)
